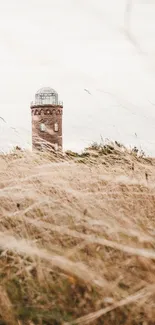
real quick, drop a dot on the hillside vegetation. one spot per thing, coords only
(77, 238)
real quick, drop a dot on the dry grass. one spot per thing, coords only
(77, 239)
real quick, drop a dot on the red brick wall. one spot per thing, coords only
(49, 115)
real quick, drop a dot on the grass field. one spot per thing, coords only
(77, 238)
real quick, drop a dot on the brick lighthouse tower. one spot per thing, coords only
(46, 112)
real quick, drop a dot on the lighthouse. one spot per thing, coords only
(46, 113)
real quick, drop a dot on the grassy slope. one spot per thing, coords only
(77, 239)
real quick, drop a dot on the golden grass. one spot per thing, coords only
(77, 239)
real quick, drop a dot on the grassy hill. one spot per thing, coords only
(77, 238)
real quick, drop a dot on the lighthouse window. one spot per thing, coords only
(56, 147)
(56, 128)
(42, 127)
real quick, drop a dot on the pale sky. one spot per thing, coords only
(70, 45)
